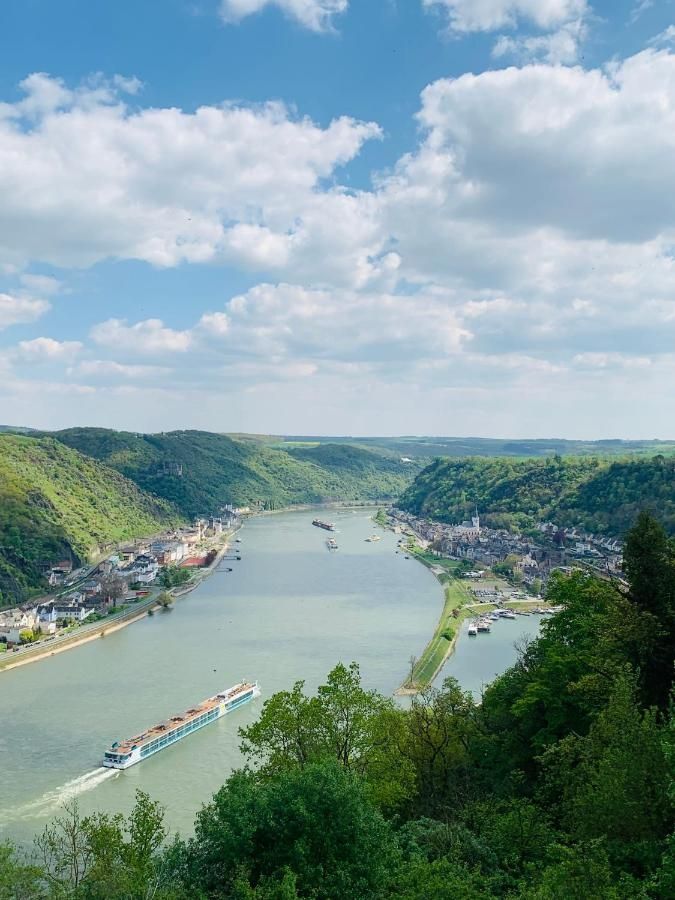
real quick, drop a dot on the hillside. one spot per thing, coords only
(200, 471)
(602, 496)
(56, 503)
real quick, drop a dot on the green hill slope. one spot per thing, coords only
(601, 496)
(56, 503)
(200, 471)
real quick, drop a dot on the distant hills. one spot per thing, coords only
(200, 471)
(431, 447)
(602, 495)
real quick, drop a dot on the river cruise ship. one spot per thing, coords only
(127, 753)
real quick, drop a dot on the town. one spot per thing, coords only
(135, 575)
(528, 559)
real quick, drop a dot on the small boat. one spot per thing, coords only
(473, 629)
(331, 543)
(373, 538)
(483, 625)
(509, 615)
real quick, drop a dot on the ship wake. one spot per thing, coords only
(52, 801)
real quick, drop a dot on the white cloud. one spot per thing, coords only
(665, 38)
(106, 368)
(610, 360)
(286, 322)
(521, 250)
(492, 15)
(44, 285)
(556, 47)
(19, 310)
(46, 349)
(149, 336)
(240, 184)
(640, 7)
(317, 15)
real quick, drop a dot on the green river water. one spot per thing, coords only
(289, 610)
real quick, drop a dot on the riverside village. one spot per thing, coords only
(126, 580)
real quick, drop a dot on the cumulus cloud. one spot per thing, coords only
(45, 349)
(492, 15)
(150, 336)
(286, 321)
(19, 310)
(523, 248)
(42, 285)
(559, 25)
(556, 47)
(108, 368)
(317, 15)
(234, 183)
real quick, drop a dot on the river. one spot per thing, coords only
(289, 610)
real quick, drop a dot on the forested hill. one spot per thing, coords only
(600, 495)
(199, 471)
(56, 503)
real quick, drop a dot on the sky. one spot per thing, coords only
(339, 216)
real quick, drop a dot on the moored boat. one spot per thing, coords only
(123, 754)
(331, 543)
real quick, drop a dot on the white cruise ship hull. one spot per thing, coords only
(128, 753)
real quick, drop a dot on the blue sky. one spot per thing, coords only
(324, 216)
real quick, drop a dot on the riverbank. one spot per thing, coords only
(140, 610)
(458, 606)
(443, 641)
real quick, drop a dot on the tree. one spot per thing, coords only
(338, 723)
(576, 873)
(19, 881)
(438, 731)
(649, 564)
(343, 722)
(113, 588)
(315, 823)
(174, 576)
(613, 782)
(164, 599)
(440, 880)
(27, 636)
(107, 857)
(562, 680)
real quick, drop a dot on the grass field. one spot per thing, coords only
(441, 644)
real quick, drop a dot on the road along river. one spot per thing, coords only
(291, 609)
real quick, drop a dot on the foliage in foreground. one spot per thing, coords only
(559, 785)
